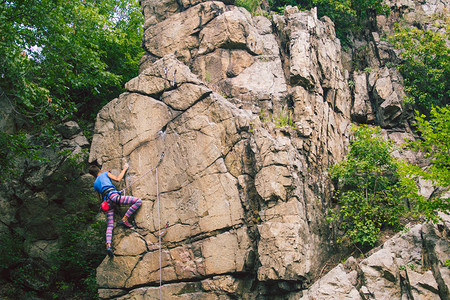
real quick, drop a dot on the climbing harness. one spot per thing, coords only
(104, 206)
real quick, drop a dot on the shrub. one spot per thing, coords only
(282, 119)
(426, 66)
(81, 251)
(250, 5)
(373, 191)
(435, 143)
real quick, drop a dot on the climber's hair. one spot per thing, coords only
(94, 170)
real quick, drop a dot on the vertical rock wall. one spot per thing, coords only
(36, 203)
(245, 199)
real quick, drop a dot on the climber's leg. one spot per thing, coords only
(110, 226)
(135, 204)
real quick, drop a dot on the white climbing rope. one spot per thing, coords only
(159, 235)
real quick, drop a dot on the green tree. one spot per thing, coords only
(373, 191)
(434, 142)
(61, 60)
(57, 57)
(426, 66)
(348, 15)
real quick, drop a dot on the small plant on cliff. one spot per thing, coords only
(373, 191)
(282, 119)
(250, 5)
(447, 263)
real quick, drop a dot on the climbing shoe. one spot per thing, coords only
(110, 252)
(126, 224)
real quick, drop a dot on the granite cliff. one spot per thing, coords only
(245, 199)
(249, 112)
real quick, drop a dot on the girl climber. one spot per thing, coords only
(107, 191)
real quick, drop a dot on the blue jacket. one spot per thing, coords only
(102, 183)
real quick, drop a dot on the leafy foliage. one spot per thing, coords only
(80, 253)
(447, 263)
(250, 5)
(435, 143)
(426, 69)
(12, 147)
(373, 189)
(347, 14)
(61, 56)
(63, 59)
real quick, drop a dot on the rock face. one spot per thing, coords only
(244, 193)
(40, 191)
(411, 265)
(35, 202)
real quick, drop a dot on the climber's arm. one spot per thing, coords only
(118, 178)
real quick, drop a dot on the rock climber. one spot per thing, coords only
(107, 191)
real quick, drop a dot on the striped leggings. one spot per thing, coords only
(116, 198)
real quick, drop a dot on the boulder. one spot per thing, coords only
(362, 110)
(389, 93)
(336, 284)
(409, 265)
(232, 29)
(178, 32)
(68, 129)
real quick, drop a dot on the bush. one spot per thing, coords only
(435, 144)
(250, 5)
(373, 191)
(282, 119)
(13, 147)
(348, 15)
(426, 66)
(81, 251)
